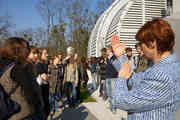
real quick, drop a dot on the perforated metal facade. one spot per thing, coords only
(124, 18)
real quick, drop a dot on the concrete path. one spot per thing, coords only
(100, 110)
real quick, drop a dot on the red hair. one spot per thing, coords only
(157, 30)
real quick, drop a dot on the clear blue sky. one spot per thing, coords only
(23, 12)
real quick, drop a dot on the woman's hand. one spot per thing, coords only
(118, 48)
(125, 71)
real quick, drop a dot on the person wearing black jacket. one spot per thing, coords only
(42, 70)
(102, 64)
(61, 70)
(18, 80)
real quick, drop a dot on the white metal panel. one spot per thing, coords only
(124, 18)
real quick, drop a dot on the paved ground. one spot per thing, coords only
(101, 110)
(92, 110)
(78, 113)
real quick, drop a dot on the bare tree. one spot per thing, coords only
(69, 22)
(5, 25)
(47, 11)
(36, 37)
(80, 24)
(39, 36)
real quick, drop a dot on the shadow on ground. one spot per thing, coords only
(78, 113)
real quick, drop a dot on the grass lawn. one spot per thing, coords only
(85, 96)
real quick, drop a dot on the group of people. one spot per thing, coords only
(103, 71)
(147, 86)
(33, 86)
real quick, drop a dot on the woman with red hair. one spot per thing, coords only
(155, 92)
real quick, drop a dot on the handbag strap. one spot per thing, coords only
(10, 66)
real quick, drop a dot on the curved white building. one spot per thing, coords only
(124, 18)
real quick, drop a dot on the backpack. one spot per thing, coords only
(8, 107)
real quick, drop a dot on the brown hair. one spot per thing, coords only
(103, 50)
(33, 49)
(40, 51)
(78, 60)
(84, 63)
(15, 48)
(109, 47)
(157, 30)
(92, 60)
(83, 59)
(128, 49)
(55, 57)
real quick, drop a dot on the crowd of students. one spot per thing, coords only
(35, 84)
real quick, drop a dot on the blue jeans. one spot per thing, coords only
(94, 80)
(109, 90)
(69, 87)
(108, 87)
(53, 102)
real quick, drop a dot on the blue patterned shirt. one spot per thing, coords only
(155, 93)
